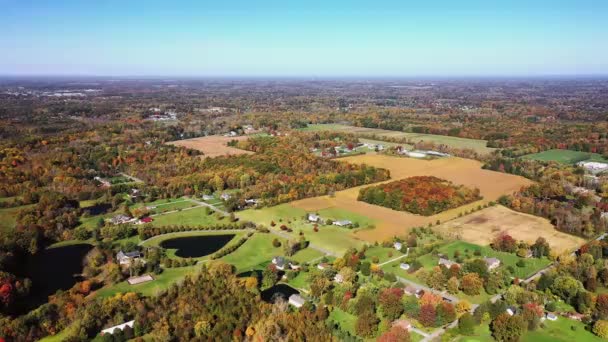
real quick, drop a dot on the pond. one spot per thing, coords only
(196, 246)
(51, 270)
(271, 294)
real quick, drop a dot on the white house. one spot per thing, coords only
(492, 263)
(111, 330)
(207, 197)
(446, 262)
(593, 167)
(225, 196)
(398, 245)
(404, 266)
(511, 311)
(314, 218)
(338, 278)
(296, 300)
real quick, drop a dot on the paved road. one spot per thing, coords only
(203, 204)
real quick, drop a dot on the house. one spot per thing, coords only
(314, 218)
(296, 300)
(279, 262)
(511, 310)
(120, 219)
(225, 196)
(398, 245)
(252, 201)
(410, 290)
(446, 262)
(402, 323)
(294, 266)
(575, 316)
(207, 197)
(404, 266)
(413, 154)
(322, 266)
(121, 327)
(103, 183)
(338, 278)
(593, 167)
(342, 223)
(551, 316)
(419, 293)
(492, 263)
(127, 258)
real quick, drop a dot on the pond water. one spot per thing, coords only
(196, 246)
(53, 269)
(271, 294)
(98, 209)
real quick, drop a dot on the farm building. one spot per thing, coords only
(314, 218)
(121, 327)
(296, 300)
(342, 223)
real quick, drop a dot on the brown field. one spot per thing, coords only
(480, 227)
(212, 146)
(391, 223)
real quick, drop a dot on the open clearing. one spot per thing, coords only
(477, 145)
(391, 223)
(480, 227)
(212, 146)
(566, 156)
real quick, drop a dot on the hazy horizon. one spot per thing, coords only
(266, 39)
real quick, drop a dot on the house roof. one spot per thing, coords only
(343, 222)
(490, 261)
(297, 299)
(110, 330)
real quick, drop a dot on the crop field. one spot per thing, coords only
(389, 223)
(455, 142)
(482, 226)
(212, 146)
(566, 156)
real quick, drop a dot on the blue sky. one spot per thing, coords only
(304, 38)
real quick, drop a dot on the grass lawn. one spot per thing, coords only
(161, 282)
(561, 330)
(482, 334)
(382, 253)
(306, 255)
(333, 238)
(252, 254)
(507, 259)
(157, 240)
(300, 281)
(345, 320)
(565, 156)
(8, 217)
(188, 217)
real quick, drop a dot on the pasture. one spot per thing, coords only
(482, 226)
(212, 146)
(389, 223)
(566, 156)
(477, 145)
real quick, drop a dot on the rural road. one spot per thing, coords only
(397, 258)
(135, 179)
(203, 204)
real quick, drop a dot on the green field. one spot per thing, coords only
(188, 217)
(565, 156)
(383, 253)
(561, 330)
(257, 251)
(333, 238)
(8, 217)
(160, 283)
(345, 320)
(479, 146)
(165, 205)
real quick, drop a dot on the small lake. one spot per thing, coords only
(280, 290)
(53, 269)
(196, 246)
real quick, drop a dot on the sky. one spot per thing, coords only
(309, 38)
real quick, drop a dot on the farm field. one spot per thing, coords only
(455, 142)
(566, 156)
(212, 146)
(389, 223)
(480, 227)
(333, 238)
(188, 217)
